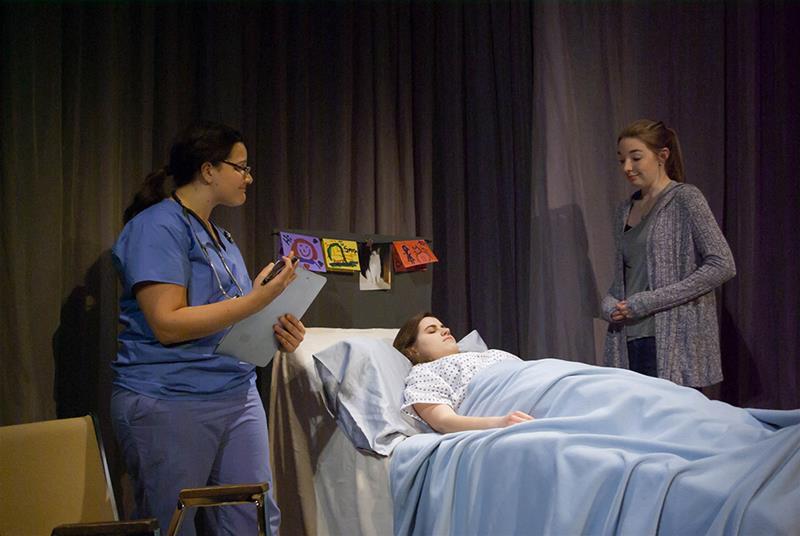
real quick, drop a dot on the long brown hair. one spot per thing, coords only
(194, 146)
(407, 337)
(656, 135)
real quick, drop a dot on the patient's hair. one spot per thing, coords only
(407, 337)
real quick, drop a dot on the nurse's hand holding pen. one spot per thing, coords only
(289, 330)
(269, 288)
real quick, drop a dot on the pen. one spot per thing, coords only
(277, 269)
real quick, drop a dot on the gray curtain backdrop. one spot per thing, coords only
(490, 127)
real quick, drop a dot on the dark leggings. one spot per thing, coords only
(642, 356)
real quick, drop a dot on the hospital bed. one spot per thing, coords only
(652, 458)
(323, 484)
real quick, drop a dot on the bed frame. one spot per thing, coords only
(322, 483)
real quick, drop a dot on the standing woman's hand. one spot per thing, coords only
(621, 312)
(290, 332)
(266, 293)
(173, 320)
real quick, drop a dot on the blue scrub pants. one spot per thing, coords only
(169, 445)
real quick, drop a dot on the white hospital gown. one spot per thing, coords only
(445, 380)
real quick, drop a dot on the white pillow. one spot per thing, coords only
(473, 342)
(363, 380)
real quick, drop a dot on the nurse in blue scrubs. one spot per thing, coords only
(185, 416)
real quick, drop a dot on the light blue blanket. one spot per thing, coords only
(609, 452)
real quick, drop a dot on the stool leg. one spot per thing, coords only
(177, 518)
(263, 527)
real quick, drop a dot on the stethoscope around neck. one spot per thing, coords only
(189, 212)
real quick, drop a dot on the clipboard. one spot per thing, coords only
(252, 339)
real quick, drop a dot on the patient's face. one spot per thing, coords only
(434, 340)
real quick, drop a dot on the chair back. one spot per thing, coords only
(53, 472)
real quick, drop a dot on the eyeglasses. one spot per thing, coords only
(244, 170)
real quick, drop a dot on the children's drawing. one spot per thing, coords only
(308, 248)
(340, 255)
(411, 255)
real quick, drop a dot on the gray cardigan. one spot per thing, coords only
(687, 258)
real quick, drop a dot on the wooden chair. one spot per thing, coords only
(143, 527)
(221, 496)
(55, 474)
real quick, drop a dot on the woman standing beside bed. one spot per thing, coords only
(670, 256)
(183, 414)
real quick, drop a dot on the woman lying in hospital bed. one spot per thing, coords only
(437, 383)
(592, 450)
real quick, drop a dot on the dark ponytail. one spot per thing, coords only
(656, 135)
(151, 192)
(675, 161)
(193, 147)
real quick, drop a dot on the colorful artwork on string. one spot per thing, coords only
(340, 255)
(376, 266)
(408, 255)
(308, 248)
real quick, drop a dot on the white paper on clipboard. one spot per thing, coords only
(253, 339)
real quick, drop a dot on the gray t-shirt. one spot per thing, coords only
(634, 260)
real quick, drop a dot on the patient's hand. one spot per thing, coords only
(515, 417)
(290, 332)
(443, 419)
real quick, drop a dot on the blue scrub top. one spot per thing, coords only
(158, 245)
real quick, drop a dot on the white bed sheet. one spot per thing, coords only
(322, 483)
